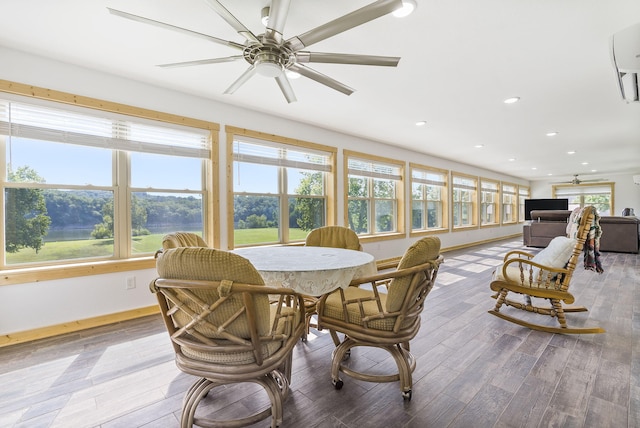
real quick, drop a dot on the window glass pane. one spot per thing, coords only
(305, 214)
(155, 214)
(434, 214)
(305, 182)
(385, 216)
(165, 172)
(256, 219)
(602, 203)
(417, 215)
(43, 225)
(59, 163)
(384, 188)
(254, 178)
(434, 193)
(417, 191)
(358, 186)
(467, 210)
(358, 214)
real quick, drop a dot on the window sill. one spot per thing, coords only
(382, 237)
(427, 232)
(463, 228)
(48, 273)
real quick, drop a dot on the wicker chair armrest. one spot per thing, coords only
(284, 302)
(518, 254)
(546, 275)
(387, 276)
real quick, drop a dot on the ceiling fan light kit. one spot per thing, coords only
(576, 181)
(408, 6)
(270, 55)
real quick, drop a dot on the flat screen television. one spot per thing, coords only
(544, 204)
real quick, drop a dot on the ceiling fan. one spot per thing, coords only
(270, 54)
(577, 181)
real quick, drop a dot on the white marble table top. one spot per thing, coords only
(309, 270)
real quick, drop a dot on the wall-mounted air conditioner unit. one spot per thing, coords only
(625, 52)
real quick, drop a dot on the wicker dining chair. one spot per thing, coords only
(386, 314)
(182, 239)
(227, 327)
(327, 236)
(333, 236)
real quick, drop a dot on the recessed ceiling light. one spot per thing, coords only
(534, 168)
(512, 100)
(512, 159)
(571, 152)
(585, 163)
(594, 170)
(552, 134)
(549, 174)
(408, 6)
(421, 123)
(479, 146)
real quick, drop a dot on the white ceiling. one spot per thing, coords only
(460, 60)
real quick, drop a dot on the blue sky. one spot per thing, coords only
(61, 163)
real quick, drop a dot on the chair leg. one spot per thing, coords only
(500, 299)
(405, 363)
(192, 398)
(275, 385)
(310, 305)
(559, 312)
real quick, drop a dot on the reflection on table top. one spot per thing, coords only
(309, 270)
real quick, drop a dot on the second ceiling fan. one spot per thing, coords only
(270, 54)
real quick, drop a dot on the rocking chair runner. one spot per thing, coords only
(521, 274)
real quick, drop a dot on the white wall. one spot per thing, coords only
(626, 193)
(30, 306)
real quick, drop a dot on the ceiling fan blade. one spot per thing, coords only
(285, 87)
(174, 28)
(201, 62)
(277, 18)
(321, 78)
(242, 79)
(344, 23)
(231, 20)
(338, 58)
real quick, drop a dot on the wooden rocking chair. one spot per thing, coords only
(523, 273)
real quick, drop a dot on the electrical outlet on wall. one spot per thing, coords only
(131, 283)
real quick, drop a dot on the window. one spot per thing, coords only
(523, 193)
(489, 202)
(374, 191)
(84, 184)
(509, 203)
(281, 188)
(464, 197)
(428, 199)
(599, 195)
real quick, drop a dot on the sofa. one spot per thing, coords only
(619, 234)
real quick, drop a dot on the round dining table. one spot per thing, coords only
(313, 271)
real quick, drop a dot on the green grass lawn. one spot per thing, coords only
(69, 250)
(265, 235)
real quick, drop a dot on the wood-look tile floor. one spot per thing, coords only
(473, 369)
